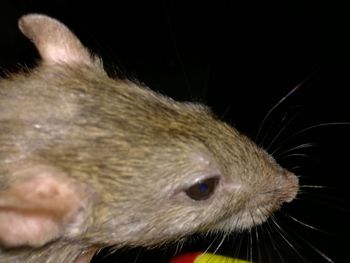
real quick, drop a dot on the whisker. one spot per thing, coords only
(323, 255)
(326, 124)
(320, 253)
(307, 225)
(235, 235)
(236, 254)
(268, 133)
(295, 155)
(247, 243)
(301, 146)
(251, 245)
(256, 230)
(218, 247)
(281, 131)
(266, 213)
(250, 237)
(179, 246)
(273, 241)
(277, 104)
(137, 256)
(264, 233)
(314, 186)
(283, 235)
(233, 247)
(210, 245)
(109, 252)
(296, 167)
(238, 249)
(227, 110)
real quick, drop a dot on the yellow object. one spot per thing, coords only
(211, 258)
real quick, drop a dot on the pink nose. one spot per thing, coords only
(291, 185)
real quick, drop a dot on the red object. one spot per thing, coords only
(186, 258)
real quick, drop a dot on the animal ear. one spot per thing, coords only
(40, 207)
(54, 41)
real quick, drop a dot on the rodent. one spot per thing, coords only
(87, 161)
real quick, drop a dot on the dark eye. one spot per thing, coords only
(202, 190)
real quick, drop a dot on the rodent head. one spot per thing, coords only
(130, 166)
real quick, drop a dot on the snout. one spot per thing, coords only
(290, 185)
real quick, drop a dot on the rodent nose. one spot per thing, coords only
(291, 185)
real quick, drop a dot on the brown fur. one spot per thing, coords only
(126, 152)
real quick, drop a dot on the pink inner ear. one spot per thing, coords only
(18, 228)
(37, 210)
(54, 41)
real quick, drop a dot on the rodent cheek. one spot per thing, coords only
(231, 186)
(233, 195)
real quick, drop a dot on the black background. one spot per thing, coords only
(240, 58)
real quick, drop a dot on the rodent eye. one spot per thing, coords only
(202, 190)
